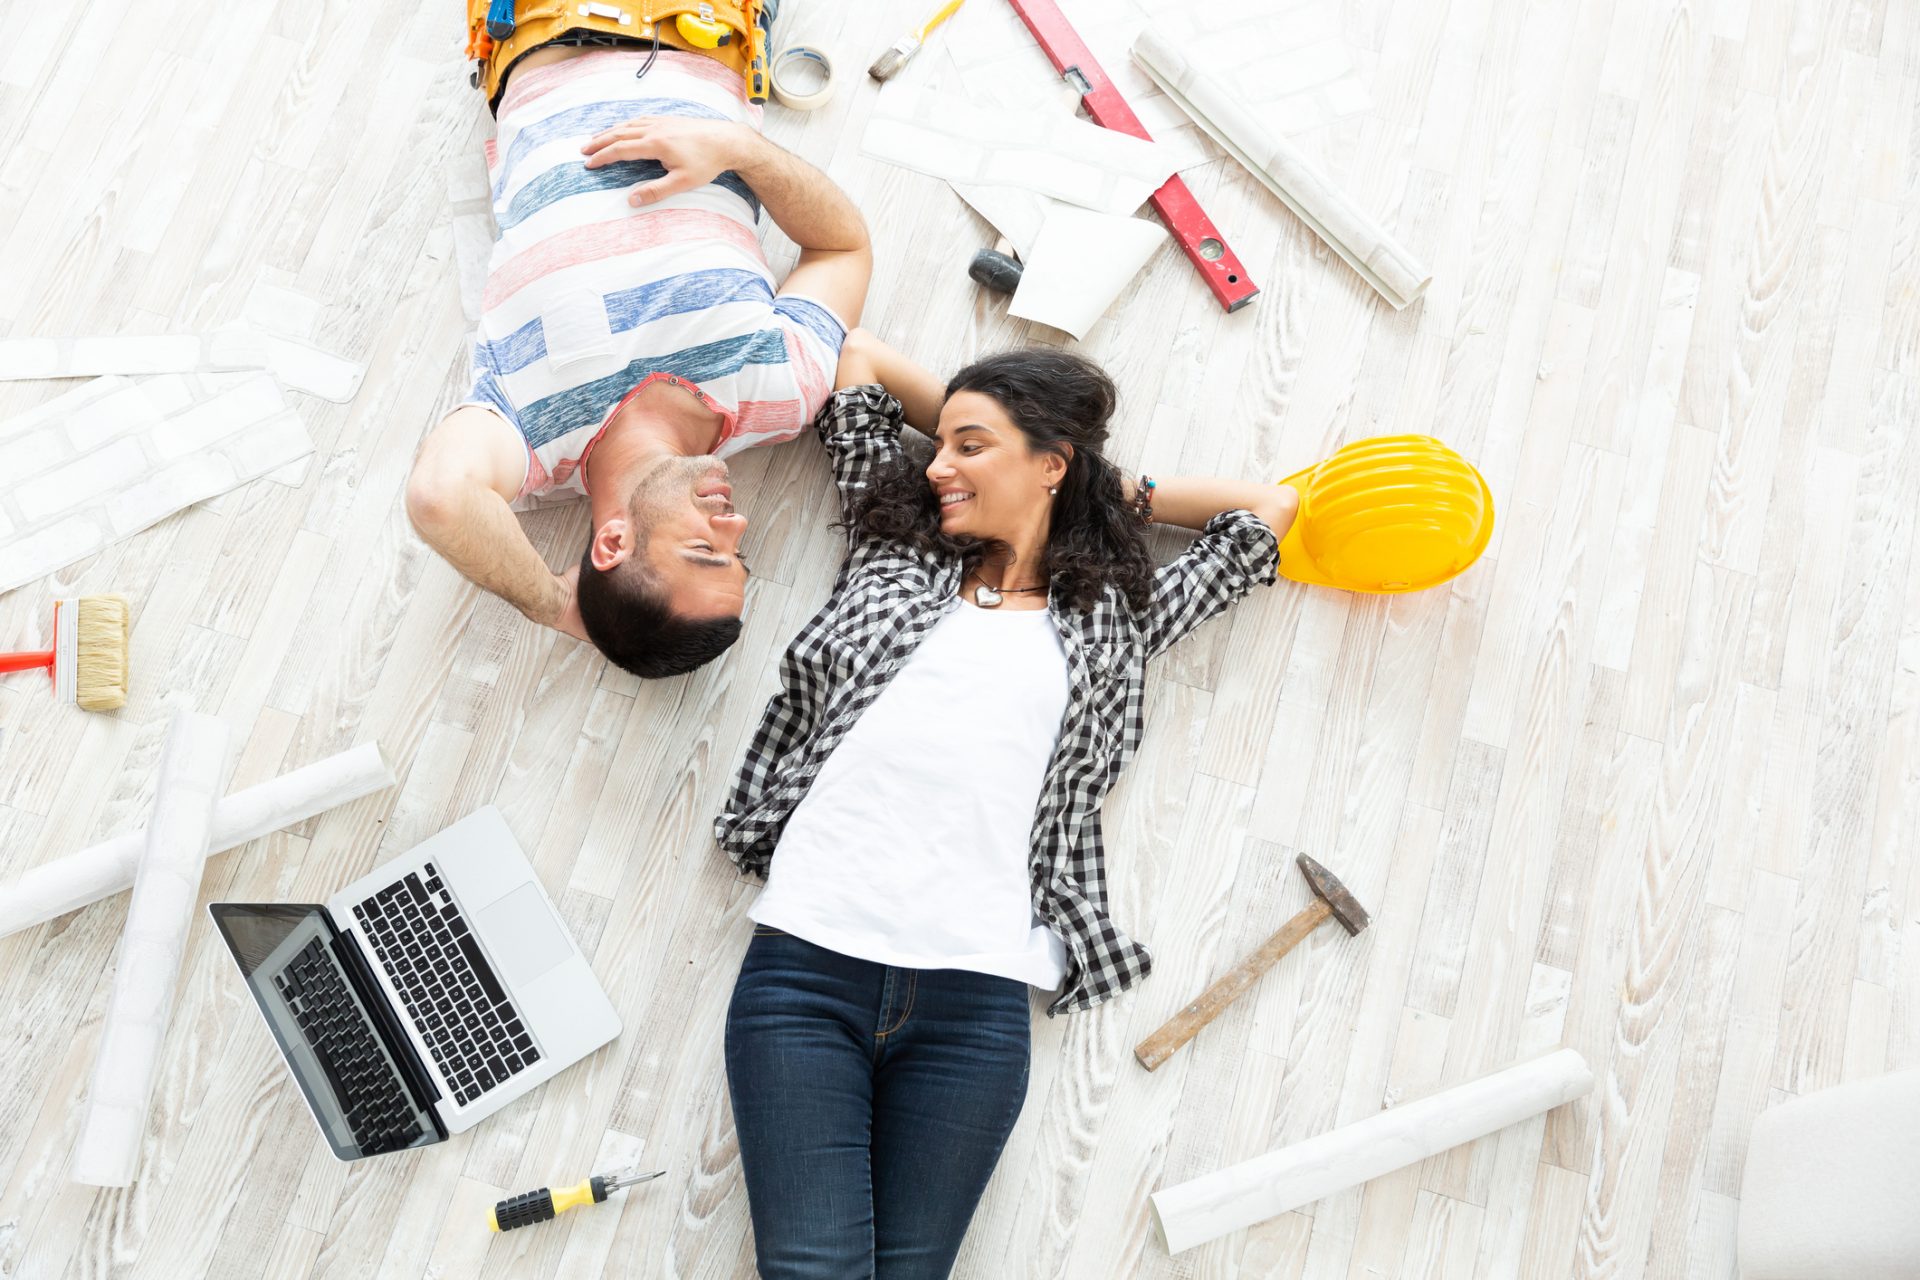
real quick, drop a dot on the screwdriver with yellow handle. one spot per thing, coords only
(542, 1205)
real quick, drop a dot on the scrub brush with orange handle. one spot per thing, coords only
(88, 661)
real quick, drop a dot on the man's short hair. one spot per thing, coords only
(627, 618)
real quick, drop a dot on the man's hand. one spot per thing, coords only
(836, 258)
(569, 622)
(469, 469)
(694, 152)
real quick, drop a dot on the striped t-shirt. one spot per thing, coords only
(588, 299)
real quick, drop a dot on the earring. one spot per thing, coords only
(1053, 491)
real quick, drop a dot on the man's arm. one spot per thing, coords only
(468, 470)
(836, 257)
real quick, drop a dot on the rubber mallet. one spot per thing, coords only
(996, 268)
(1330, 901)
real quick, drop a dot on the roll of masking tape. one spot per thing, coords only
(802, 78)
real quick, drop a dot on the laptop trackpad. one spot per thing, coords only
(523, 937)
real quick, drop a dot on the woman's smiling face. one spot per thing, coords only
(989, 483)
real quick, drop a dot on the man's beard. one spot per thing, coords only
(667, 488)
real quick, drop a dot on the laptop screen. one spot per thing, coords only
(314, 1008)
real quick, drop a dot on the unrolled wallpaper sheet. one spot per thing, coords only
(297, 363)
(981, 102)
(1064, 203)
(1080, 264)
(102, 870)
(113, 457)
(275, 308)
(1016, 212)
(301, 366)
(283, 321)
(192, 770)
(1052, 154)
(138, 354)
(1290, 66)
(470, 228)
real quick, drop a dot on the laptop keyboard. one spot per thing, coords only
(378, 1109)
(474, 1033)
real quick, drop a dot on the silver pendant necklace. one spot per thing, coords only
(990, 598)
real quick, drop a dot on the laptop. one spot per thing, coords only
(425, 996)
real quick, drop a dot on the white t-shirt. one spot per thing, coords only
(911, 847)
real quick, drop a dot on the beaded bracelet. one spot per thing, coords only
(1143, 499)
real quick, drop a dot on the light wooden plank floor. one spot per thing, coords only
(1645, 782)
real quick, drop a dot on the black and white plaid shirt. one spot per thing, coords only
(886, 600)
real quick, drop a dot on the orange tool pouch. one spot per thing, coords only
(537, 22)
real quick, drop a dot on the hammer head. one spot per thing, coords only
(1327, 887)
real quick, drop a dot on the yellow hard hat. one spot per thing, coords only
(1390, 514)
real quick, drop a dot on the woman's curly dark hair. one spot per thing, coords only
(1056, 399)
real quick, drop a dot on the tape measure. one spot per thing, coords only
(701, 31)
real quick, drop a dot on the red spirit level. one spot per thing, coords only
(1173, 202)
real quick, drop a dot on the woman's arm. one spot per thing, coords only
(1238, 552)
(864, 358)
(1191, 501)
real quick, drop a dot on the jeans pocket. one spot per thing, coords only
(761, 931)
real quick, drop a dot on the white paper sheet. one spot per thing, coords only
(1055, 155)
(1079, 265)
(139, 1007)
(113, 457)
(102, 870)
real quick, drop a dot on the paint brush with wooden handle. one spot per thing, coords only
(88, 661)
(889, 63)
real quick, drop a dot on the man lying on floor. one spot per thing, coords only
(631, 335)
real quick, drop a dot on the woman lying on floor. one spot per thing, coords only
(923, 795)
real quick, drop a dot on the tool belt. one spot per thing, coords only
(612, 22)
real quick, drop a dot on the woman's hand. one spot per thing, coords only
(1191, 501)
(1279, 508)
(864, 358)
(694, 152)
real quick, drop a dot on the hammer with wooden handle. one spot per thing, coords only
(1330, 899)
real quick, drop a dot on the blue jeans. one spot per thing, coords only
(871, 1104)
